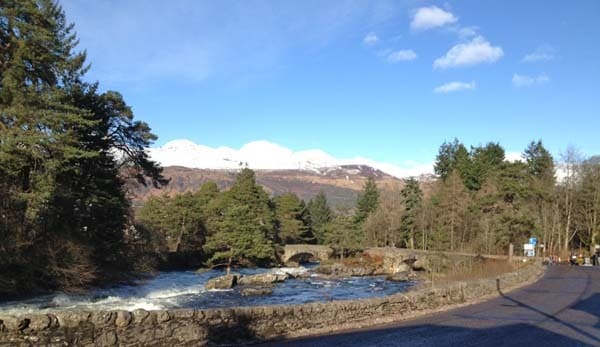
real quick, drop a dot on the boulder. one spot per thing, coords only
(421, 264)
(299, 275)
(342, 270)
(222, 282)
(399, 277)
(261, 279)
(256, 291)
(400, 268)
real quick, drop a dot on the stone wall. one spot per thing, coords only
(188, 327)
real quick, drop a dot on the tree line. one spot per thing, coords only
(481, 202)
(241, 226)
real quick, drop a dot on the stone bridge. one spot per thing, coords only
(396, 259)
(294, 254)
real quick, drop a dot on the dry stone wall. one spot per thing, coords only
(189, 327)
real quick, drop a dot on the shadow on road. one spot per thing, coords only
(590, 305)
(440, 336)
(584, 306)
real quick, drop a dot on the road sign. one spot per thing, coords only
(528, 246)
(533, 241)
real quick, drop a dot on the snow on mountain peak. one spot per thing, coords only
(265, 155)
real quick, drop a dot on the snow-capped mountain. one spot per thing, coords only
(265, 155)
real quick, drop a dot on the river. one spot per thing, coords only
(185, 289)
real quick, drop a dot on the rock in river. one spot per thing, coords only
(399, 277)
(343, 270)
(222, 282)
(260, 279)
(256, 291)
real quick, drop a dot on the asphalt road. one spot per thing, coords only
(561, 309)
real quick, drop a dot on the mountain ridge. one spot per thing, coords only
(265, 155)
(341, 184)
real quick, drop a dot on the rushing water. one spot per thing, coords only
(185, 289)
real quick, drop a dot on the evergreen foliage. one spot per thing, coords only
(319, 214)
(344, 235)
(367, 201)
(451, 156)
(63, 149)
(291, 215)
(246, 230)
(412, 197)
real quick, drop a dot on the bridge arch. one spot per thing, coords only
(294, 254)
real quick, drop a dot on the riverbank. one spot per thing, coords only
(247, 324)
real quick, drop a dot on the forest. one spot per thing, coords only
(479, 202)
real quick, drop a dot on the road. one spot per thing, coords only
(561, 309)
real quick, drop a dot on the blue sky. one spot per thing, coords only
(387, 80)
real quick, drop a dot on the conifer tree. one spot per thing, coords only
(319, 214)
(179, 219)
(451, 156)
(412, 197)
(367, 202)
(290, 213)
(245, 231)
(343, 234)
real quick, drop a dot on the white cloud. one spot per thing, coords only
(370, 39)
(401, 55)
(454, 87)
(265, 155)
(466, 32)
(431, 17)
(529, 81)
(477, 51)
(542, 53)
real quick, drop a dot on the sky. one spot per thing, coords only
(385, 80)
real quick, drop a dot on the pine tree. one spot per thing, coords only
(290, 213)
(179, 219)
(483, 162)
(319, 214)
(412, 197)
(367, 202)
(343, 235)
(245, 231)
(451, 156)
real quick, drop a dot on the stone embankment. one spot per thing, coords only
(189, 327)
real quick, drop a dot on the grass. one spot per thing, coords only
(470, 269)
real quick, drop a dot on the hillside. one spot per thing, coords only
(340, 183)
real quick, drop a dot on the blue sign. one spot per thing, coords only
(533, 241)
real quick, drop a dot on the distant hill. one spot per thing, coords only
(340, 183)
(265, 155)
